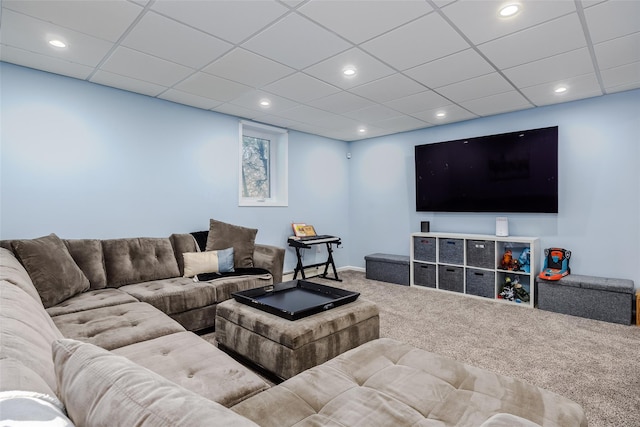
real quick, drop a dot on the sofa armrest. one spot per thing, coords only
(270, 258)
(183, 242)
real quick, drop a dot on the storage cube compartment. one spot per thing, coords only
(513, 279)
(388, 268)
(481, 282)
(424, 248)
(481, 253)
(424, 274)
(518, 257)
(451, 278)
(451, 251)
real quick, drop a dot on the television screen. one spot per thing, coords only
(509, 172)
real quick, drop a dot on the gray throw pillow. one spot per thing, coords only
(241, 239)
(53, 271)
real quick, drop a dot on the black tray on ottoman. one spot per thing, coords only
(295, 299)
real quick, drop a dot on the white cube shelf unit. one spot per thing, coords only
(472, 264)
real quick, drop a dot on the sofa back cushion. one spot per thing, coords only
(52, 269)
(136, 260)
(241, 239)
(13, 272)
(183, 243)
(26, 333)
(87, 253)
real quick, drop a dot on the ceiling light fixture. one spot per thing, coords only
(362, 130)
(560, 89)
(441, 114)
(509, 10)
(57, 43)
(349, 71)
(265, 102)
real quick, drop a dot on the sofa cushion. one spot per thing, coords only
(55, 274)
(189, 361)
(174, 295)
(12, 271)
(241, 239)
(388, 383)
(118, 325)
(100, 388)
(88, 254)
(220, 261)
(138, 260)
(26, 335)
(91, 299)
(182, 243)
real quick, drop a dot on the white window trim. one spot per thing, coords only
(279, 158)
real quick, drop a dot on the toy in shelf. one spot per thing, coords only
(512, 290)
(525, 260)
(508, 262)
(556, 264)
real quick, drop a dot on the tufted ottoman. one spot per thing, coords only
(286, 347)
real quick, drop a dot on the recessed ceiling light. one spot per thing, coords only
(349, 71)
(265, 102)
(362, 130)
(441, 114)
(509, 10)
(57, 43)
(560, 89)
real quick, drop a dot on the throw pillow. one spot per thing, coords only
(53, 271)
(23, 408)
(100, 388)
(208, 262)
(241, 239)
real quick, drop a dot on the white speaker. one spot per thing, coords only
(502, 226)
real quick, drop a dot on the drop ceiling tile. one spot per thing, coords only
(140, 66)
(247, 68)
(372, 114)
(277, 121)
(341, 102)
(480, 22)
(418, 102)
(552, 69)
(107, 20)
(454, 113)
(251, 100)
(613, 19)
(303, 114)
(189, 99)
(497, 104)
(402, 124)
(551, 38)
(625, 77)
(478, 87)
(451, 69)
(173, 41)
(417, 42)
(126, 83)
(389, 88)
(301, 87)
(296, 42)
(232, 21)
(43, 62)
(337, 122)
(617, 52)
(368, 69)
(236, 110)
(213, 87)
(23, 32)
(579, 87)
(359, 21)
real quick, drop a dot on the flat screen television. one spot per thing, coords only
(509, 172)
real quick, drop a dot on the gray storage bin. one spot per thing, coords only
(451, 278)
(424, 274)
(481, 253)
(451, 251)
(388, 268)
(481, 283)
(424, 248)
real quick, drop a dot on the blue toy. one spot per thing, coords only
(556, 264)
(525, 260)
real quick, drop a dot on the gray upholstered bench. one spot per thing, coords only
(596, 298)
(286, 348)
(388, 268)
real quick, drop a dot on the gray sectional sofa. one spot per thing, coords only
(90, 350)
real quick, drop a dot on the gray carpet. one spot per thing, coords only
(594, 363)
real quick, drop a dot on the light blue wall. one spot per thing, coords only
(86, 161)
(599, 186)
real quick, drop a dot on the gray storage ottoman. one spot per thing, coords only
(388, 268)
(599, 298)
